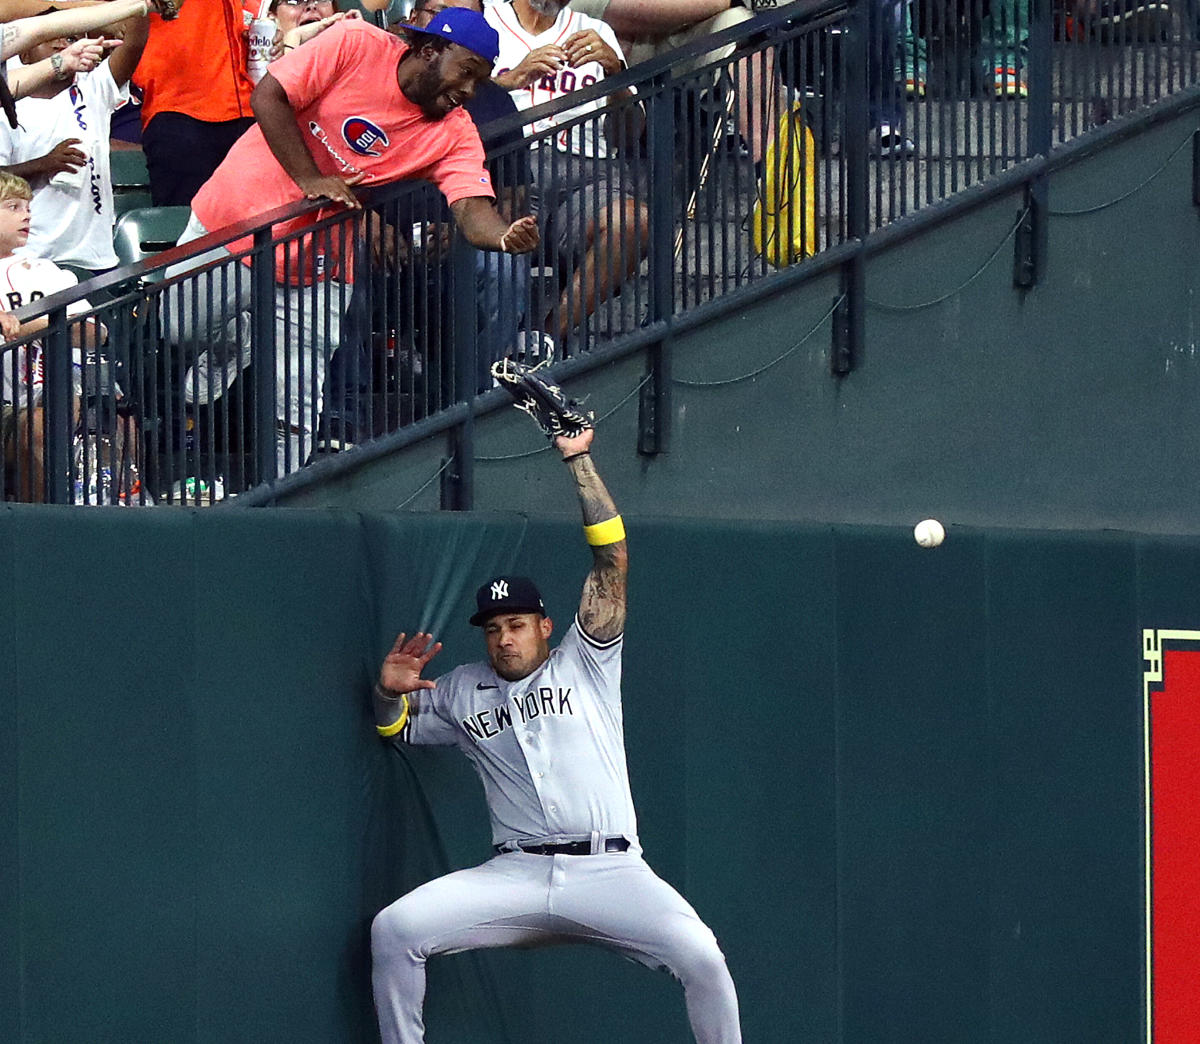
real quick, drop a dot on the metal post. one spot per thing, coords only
(1027, 253)
(57, 402)
(1030, 241)
(655, 403)
(849, 328)
(262, 351)
(458, 485)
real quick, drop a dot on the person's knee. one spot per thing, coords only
(699, 959)
(627, 219)
(394, 930)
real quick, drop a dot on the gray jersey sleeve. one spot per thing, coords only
(600, 662)
(429, 723)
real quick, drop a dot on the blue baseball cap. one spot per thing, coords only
(464, 27)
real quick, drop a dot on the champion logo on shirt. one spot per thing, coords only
(364, 137)
(75, 95)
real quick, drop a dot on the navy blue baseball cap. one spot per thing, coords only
(507, 594)
(464, 27)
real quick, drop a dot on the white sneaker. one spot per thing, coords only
(196, 381)
(889, 142)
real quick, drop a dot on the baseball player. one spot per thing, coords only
(543, 729)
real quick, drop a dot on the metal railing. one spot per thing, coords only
(225, 365)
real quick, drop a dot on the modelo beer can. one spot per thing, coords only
(262, 37)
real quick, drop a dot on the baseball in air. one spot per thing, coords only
(929, 533)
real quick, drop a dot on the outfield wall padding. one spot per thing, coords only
(904, 786)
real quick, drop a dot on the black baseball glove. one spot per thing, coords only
(544, 402)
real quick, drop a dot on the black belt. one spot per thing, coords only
(576, 848)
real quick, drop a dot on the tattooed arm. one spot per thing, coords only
(602, 607)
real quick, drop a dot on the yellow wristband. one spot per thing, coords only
(608, 532)
(398, 724)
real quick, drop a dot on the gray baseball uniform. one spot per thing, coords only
(550, 750)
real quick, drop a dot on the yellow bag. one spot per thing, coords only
(785, 216)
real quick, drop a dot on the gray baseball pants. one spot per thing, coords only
(516, 899)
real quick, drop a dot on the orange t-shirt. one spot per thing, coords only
(196, 64)
(354, 118)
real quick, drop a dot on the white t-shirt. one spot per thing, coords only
(516, 43)
(23, 280)
(70, 225)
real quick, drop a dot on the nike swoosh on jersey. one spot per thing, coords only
(480, 685)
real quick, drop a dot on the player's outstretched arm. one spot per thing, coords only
(602, 607)
(399, 677)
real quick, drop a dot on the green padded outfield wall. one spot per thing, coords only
(903, 786)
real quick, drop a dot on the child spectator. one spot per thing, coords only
(22, 281)
(62, 149)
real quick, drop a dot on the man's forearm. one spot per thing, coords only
(392, 709)
(25, 33)
(30, 170)
(480, 222)
(41, 79)
(602, 605)
(277, 118)
(10, 10)
(595, 501)
(643, 18)
(124, 60)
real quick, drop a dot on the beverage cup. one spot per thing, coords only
(72, 180)
(262, 37)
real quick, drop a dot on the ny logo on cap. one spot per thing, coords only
(500, 589)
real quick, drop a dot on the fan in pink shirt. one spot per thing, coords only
(355, 105)
(357, 125)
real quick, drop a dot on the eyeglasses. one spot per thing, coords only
(304, 3)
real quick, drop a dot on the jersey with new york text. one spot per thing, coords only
(550, 748)
(515, 43)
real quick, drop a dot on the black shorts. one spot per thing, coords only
(570, 190)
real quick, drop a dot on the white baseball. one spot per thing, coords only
(929, 532)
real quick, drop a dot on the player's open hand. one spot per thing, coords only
(402, 667)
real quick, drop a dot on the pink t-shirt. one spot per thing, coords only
(354, 117)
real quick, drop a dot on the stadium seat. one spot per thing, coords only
(128, 170)
(148, 230)
(133, 199)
